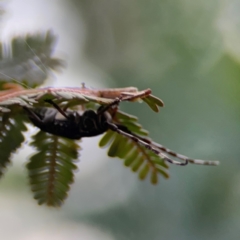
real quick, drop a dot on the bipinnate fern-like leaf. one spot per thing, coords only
(28, 59)
(11, 137)
(51, 169)
(73, 96)
(135, 156)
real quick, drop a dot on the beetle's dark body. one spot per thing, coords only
(75, 126)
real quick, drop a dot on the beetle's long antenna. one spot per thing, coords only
(138, 140)
(158, 148)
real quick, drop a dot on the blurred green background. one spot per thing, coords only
(188, 53)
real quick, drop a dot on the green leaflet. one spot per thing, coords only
(137, 163)
(131, 158)
(153, 102)
(163, 172)
(115, 147)
(144, 172)
(154, 177)
(106, 138)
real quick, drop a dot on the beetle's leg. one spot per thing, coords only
(58, 108)
(33, 115)
(41, 115)
(121, 98)
(103, 109)
(116, 102)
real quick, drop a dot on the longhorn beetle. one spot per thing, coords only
(91, 123)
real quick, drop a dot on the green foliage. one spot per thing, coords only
(11, 137)
(51, 169)
(30, 59)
